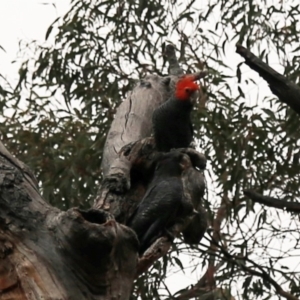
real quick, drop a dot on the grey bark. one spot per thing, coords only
(49, 254)
(133, 119)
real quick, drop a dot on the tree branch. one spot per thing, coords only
(204, 294)
(272, 202)
(287, 91)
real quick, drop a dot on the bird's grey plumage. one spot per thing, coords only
(163, 204)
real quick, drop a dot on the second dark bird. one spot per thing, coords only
(163, 204)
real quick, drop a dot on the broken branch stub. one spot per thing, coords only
(140, 157)
(170, 54)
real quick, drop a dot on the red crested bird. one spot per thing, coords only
(171, 121)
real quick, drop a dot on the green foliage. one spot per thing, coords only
(55, 119)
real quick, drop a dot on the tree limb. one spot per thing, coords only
(272, 202)
(287, 91)
(203, 294)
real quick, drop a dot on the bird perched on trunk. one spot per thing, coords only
(164, 203)
(172, 120)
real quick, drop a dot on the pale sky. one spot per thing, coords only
(24, 20)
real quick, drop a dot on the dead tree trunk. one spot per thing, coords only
(50, 254)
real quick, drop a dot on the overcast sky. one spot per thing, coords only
(24, 20)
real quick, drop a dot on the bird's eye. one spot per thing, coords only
(188, 90)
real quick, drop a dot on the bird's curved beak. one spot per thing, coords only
(199, 75)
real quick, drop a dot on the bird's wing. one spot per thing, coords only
(161, 200)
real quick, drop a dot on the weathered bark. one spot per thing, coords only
(49, 254)
(139, 158)
(133, 121)
(287, 91)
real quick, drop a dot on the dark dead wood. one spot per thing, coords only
(273, 202)
(49, 254)
(287, 91)
(156, 251)
(174, 67)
